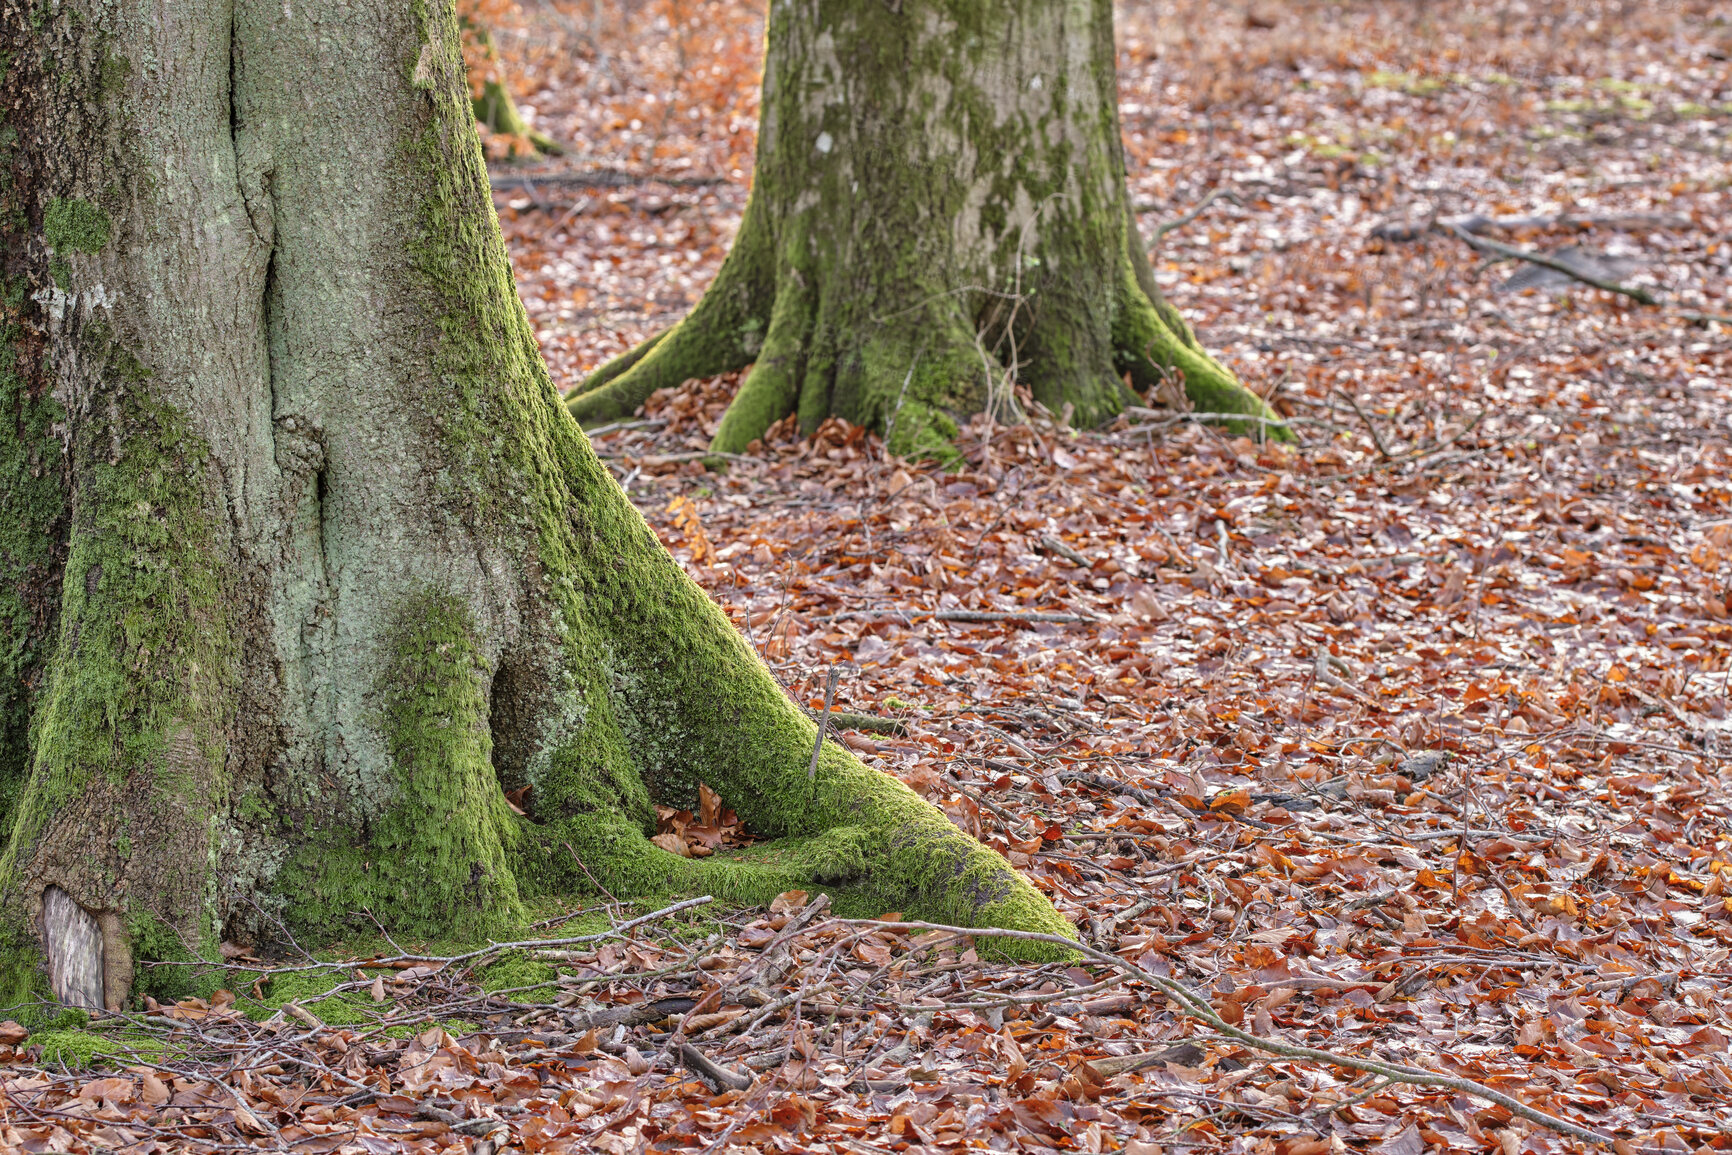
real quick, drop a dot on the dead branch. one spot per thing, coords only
(1193, 1007)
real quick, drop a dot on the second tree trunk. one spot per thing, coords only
(939, 214)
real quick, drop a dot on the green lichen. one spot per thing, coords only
(70, 225)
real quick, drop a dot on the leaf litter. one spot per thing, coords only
(1409, 745)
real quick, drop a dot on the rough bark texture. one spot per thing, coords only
(939, 211)
(303, 560)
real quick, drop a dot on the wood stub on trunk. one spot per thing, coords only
(73, 936)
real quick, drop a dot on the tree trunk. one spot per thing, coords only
(302, 561)
(939, 212)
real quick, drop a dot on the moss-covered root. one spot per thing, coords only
(723, 333)
(710, 340)
(694, 703)
(905, 856)
(1151, 340)
(771, 389)
(437, 860)
(618, 365)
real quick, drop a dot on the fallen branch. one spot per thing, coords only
(1545, 260)
(621, 426)
(951, 615)
(717, 1076)
(1173, 417)
(998, 616)
(678, 458)
(1215, 194)
(1194, 1007)
(1053, 545)
(1110, 785)
(1376, 437)
(595, 178)
(1478, 223)
(870, 723)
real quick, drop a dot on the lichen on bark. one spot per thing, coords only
(939, 212)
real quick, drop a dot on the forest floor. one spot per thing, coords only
(1408, 744)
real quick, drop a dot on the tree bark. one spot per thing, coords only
(939, 212)
(303, 561)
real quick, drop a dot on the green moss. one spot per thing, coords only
(70, 225)
(495, 109)
(155, 941)
(64, 1041)
(82, 1050)
(311, 990)
(112, 74)
(145, 647)
(657, 689)
(435, 861)
(517, 971)
(24, 992)
(32, 514)
(130, 712)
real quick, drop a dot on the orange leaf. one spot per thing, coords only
(1232, 802)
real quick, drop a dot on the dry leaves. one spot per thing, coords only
(1411, 743)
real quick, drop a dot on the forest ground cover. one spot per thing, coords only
(1408, 743)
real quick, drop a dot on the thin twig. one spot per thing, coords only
(823, 723)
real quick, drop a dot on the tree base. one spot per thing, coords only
(915, 379)
(938, 216)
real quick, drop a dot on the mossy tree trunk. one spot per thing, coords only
(939, 212)
(301, 560)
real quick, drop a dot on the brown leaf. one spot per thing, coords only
(673, 844)
(1404, 1142)
(114, 1089)
(249, 1123)
(1231, 802)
